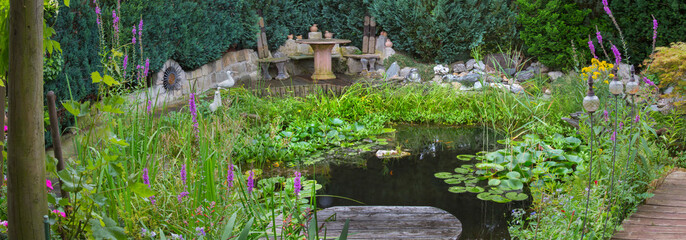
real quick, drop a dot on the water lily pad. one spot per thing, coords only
(514, 175)
(495, 191)
(465, 157)
(443, 175)
(485, 196)
(461, 170)
(494, 182)
(516, 196)
(499, 199)
(452, 181)
(457, 189)
(475, 189)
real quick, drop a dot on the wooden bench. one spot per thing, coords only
(265, 58)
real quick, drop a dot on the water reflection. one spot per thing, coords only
(410, 180)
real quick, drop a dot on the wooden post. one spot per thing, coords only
(263, 36)
(27, 198)
(56, 138)
(372, 37)
(365, 39)
(2, 133)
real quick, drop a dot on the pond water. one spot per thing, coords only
(410, 181)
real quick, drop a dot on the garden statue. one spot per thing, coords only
(217, 100)
(389, 43)
(229, 82)
(290, 36)
(414, 76)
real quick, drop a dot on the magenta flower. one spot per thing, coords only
(140, 30)
(621, 125)
(590, 46)
(4, 223)
(194, 113)
(297, 185)
(182, 195)
(147, 67)
(613, 137)
(133, 35)
(229, 176)
(6, 128)
(604, 2)
(200, 231)
(48, 183)
(638, 118)
(647, 81)
(600, 37)
(183, 174)
(251, 181)
(606, 115)
(618, 55)
(97, 12)
(59, 213)
(115, 23)
(146, 179)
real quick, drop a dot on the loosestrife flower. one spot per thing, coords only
(182, 195)
(126, 62)
(600, 37)
(140, 29)
(297, 185)
(606, 8)
(146, 179)
(97, 12)
(654, 28)
(177, 236)
(638, 118)
(614, 136)
(149, 107)
(200, 231)
(194, 114)
(647, 81)
(115, 23)
(229, 176)
(133, 35)
(251, 181)
(621, 125)
(48, 183)
(147, 67)
(183, 174)
(618, 55)
(606, 115)
(590, 46)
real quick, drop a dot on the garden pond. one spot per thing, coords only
(365, 179)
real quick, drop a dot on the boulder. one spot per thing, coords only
(470, 64)
(510, 71)
(480, 66)
(460, 68)
(555, 75)
(405, 71)
(468, 80)
(441, 70)
(349, 50)
(525, 75)
(393, 70)
(538, 68)
(354, 66)
(388, 52)
(516, 88)
(502, 60)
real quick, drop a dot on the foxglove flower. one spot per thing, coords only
(618, 55)
(251, 181)
(297, 185)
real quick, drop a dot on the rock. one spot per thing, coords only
(437, 79)
(459, 68)
(441, 70)
(456, 85)
(470, 64)
(393, 70)
(314, 35)
(502, 60)
(381, 43)
(476, 86)
(349, 50)
(624, 72)
(480, 66)
(538, 68)
(354, 66)
(548, 92)
(388, 52)
(404, 72)
(289, 48)
(669, 90)
(305, 49)
(516, 88)
(468, 80)
(501, 86)
(525, 75)
(555, 75)
(491, 78)
(573, 122)
(410, 78)
(510, 71)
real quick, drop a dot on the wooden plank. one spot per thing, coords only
(399, 234)
(665, 202)
(660, 215)
(661, 209)
(662, 229)
(655, 222)
(263, 35)
(649, 235)
(372, 36)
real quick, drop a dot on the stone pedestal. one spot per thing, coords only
(282, 75)
(265, 71)
(314, 35)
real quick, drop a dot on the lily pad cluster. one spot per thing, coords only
(507, 171)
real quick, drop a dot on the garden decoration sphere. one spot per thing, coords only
(632, 86)
(616, 87)
(591, 101)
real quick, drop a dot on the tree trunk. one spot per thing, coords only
(2, 134)
(27, 198)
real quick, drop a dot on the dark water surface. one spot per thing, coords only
(410, 181)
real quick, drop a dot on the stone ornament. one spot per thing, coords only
(389, 43)
(314, 28)
(328, 35)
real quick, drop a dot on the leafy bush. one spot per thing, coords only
(669, 63)
(635, 19)
(549, 27)
(444, 31)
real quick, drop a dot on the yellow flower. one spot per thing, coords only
(611, 75)
(610, 65)
(596, 73)
(594, 61)
(595, 76)
(606, 82)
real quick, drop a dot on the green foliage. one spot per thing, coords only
(550, 26)
(635, 19)
(444, 31)
(191, 32)
(669, 63)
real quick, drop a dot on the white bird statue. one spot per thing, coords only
(229, 82)
(217, 101)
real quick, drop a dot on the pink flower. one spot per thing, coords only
(251, 181)
(600, 37)
(590, 46)
(4, 223)
(60, 213)
(618, 55)
(133, 35)
(297, 185)
(140, 29)
(638, 118)
(614, 136)
(5, 128)
(654, 28)
(49, 184)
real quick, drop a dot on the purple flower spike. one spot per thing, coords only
(251, 181)
(604, 2)
(613, 137)
(146, 179)
(229, 176)
(606, 115)
(618, 55)
(126, 62)
(590, 46)
(183, 174)
(181, 196)
(147, 67)
(600, 37)
(140, 29)
(297, 185)
(607, 10)
(194, 113)
(133, 35)
(654, 28)
(200, 231)
(621, 125)
(638, 118)
(647, 81)
(149, 106)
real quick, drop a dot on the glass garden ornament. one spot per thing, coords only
(591, 101)
(632, 85)
(616, 86)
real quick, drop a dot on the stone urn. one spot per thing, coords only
(389, 43)
(299, 37)
(290, 37)
(314, 28)
(328, 35)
